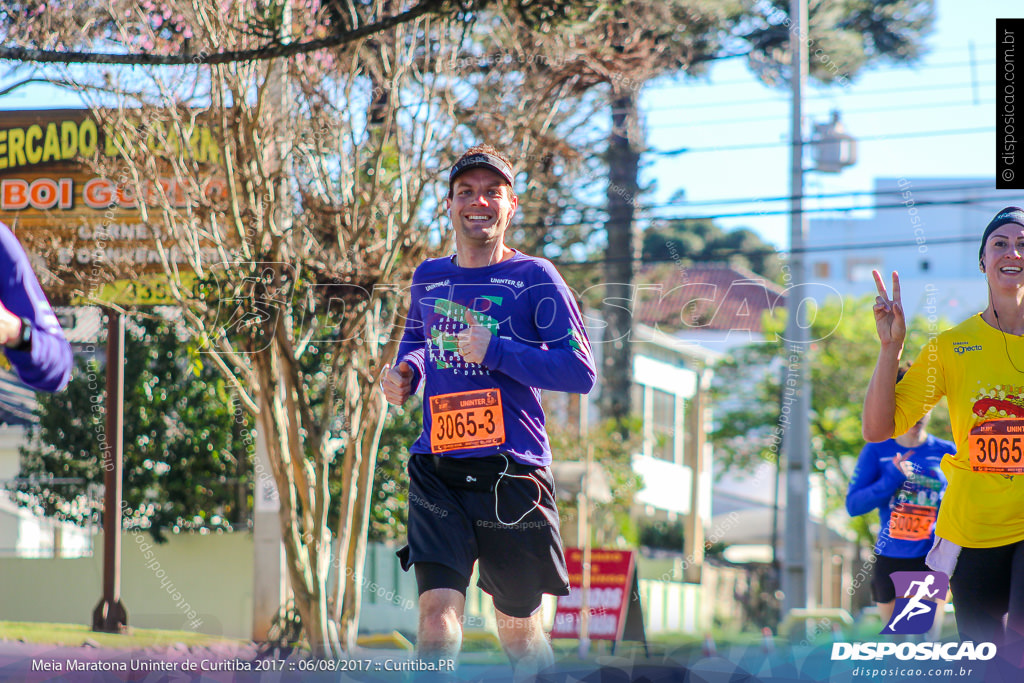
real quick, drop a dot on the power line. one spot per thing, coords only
(783, 99)
(968, 201)
(869, 110)
(874, 70)
(828, 195)
(887, 245)
(765, 145)
(648, 209)
(732, 251)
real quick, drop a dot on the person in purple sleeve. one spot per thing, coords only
(29, 331)
(488, 329)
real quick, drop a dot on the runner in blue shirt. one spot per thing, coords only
(488, 329)
(902, 479)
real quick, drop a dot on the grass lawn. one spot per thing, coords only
(74, 635)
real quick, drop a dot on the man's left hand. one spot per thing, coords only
(474, 340)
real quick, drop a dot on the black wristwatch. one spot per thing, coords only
(24, 342)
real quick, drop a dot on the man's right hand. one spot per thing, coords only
(397, 384)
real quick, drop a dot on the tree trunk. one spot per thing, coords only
(304, 534)
(364, 405)
(623, 167)
(348, 626)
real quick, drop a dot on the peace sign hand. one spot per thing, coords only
(889, 319)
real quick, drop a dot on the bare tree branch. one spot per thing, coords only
(272, 50)
(27, 81)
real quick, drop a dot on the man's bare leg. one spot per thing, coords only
(440, 627)
(525, 643)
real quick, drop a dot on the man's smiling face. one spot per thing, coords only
(481, 207)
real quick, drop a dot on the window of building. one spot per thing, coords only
(663, 423)
(859, 269)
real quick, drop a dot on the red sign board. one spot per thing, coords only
(611, 583)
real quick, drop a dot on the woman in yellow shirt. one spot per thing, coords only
(978, 366)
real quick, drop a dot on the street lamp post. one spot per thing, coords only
(834, 149)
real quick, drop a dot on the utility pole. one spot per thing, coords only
(797, 438)
(583, 529)
(693, 526)
(583, 508)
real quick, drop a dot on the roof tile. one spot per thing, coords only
(705, 296)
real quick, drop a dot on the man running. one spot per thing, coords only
(488, 328)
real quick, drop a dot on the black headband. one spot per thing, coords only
(481, 160)
(1011, 214)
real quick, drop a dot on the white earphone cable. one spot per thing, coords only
(501, 475)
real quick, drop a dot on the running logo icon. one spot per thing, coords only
(915, 611)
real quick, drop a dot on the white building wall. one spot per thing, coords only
(929, 234)
(667, 485)
(11, 439)
(23, 533)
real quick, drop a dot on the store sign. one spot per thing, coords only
(85, 231)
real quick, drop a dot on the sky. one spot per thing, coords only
(910, 122)
(935, 118)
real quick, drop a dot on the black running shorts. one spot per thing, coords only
(520, 553)
(882, 588)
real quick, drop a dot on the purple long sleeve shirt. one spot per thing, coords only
(538, 343)
(46, 366)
